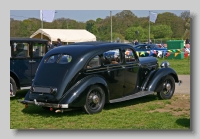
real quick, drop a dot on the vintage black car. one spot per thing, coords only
(89, 75)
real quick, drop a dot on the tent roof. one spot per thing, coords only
(66, 35)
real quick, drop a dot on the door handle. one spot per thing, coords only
(31, 61)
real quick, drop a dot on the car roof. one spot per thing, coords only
(89, 48)
(27, 39)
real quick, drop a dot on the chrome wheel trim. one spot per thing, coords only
(167, 87)
(94, 99)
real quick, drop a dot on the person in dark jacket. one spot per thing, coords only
(50, 45)
(136, 42)
(59, 43)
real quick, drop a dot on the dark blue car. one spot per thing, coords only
(25, 56)
(150, 50)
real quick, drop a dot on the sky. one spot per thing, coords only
(83, 15)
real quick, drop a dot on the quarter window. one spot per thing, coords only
(94, 62)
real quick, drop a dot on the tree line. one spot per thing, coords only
(125, 26)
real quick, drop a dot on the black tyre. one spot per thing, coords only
(13, 87)
(168, 87)
(95, 100)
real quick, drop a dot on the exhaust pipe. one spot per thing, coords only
(59, 110)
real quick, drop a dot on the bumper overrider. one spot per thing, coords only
(52, 106)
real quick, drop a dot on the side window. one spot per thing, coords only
(139, 47)
(39, 49)
(111, 57)
(21, 50)
(129, 55)
(94, 62)
(146, 47)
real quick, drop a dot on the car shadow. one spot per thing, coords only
(135, 101)
(34, 110)
(185, 122)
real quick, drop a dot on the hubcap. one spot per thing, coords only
(168, 86)
(95, 99)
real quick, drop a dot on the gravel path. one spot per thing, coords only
(184, 86)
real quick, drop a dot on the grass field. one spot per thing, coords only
(181, 66)
(143, 113)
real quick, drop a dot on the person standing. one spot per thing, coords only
(59, 43)
(136, 42)
(50, 45)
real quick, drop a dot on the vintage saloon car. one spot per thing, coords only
(82, 75)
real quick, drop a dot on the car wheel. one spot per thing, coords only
(95, 100)
(168, 87)
(13, 87)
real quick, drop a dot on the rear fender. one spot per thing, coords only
(155, 81)
(16, 78)
(76, 95)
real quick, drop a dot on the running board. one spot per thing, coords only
(136, 95)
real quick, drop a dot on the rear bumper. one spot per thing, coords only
(43, 104)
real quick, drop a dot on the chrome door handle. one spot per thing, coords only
(31, 61)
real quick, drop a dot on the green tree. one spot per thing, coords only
(131, 33)
(176, 23)
(91, 26)
(161, 31)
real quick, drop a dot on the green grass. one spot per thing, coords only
(181, 66)
(141, 113)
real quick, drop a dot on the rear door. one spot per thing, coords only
(39, 49)
(19, 61)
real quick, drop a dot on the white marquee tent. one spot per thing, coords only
(66, 35)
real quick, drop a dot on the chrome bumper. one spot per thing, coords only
(43, 104)
(179, 82)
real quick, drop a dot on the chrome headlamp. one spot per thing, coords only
(164, 64)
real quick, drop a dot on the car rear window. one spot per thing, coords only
(59, 58)
(64, 59)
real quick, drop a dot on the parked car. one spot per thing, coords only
(80, 75)
(156, 50)
(25, 56)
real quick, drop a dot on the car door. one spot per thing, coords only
(38, 50)
(131, 68)
(19, 61)
(112, 61)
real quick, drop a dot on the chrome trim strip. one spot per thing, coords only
(133, 96)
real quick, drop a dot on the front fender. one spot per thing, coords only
(76, 95)
(154, 82)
